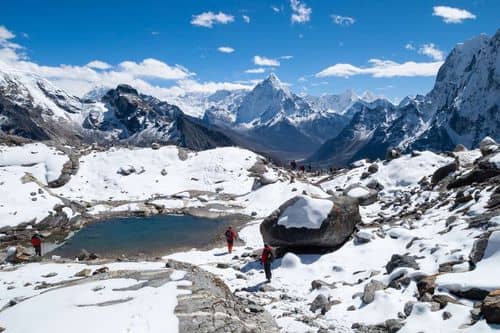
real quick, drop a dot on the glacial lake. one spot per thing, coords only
(138, 236)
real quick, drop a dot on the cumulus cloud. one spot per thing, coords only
(5, 33)
(275, 9)
(97, 64)
(153, 68)
(431, 51)
(409, 46)
(150, 76)
(300, 12)
(452, 15)
(286, 57)
(246, 18)
(383, 68)
(343, 20)
(259, 70)
(263, 61)
(225, 49)
(208, 19)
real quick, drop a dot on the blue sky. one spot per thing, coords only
(317, 34)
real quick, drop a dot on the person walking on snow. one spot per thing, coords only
(230, 236)
(36, 241)
(266, 260)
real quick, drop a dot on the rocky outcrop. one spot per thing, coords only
(491, 307)
(398, 260)
(334, 230)
(443, 172)
(362, 194)
(212, 307)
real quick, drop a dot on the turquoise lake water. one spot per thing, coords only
(133, 236)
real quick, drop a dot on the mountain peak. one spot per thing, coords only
(273, 81)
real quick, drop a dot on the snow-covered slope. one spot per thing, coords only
(32, 108)
(462, 108)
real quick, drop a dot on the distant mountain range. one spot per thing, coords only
(332, 129)
(462, 108)
(32, 108)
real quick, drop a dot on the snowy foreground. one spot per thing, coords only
(358, 291)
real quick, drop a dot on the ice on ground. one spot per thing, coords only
(147, 309)
(160, 172)
(51, 159)
(394, 175)
(484, 276)
(306, 212)
(21, 201)
(357, 192)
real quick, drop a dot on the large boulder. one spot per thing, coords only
(488, 146)
(443, 172)
(364, 195)
(491, 307)
(307, 224)
(398, 260)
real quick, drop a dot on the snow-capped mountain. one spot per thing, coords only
(462, 108)
(33, 108)
(271, 118)
(339, 103)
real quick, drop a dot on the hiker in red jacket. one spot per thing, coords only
(230, 236)
(36, 241)
(266, 260)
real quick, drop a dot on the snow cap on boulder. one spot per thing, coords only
(307, 224)
(488, 146)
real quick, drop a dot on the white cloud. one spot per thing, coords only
(452, 15)
(286, 57)
(208, 19)
(259, 70)
(246, 18)
(343, 20)
(97, 64)
(431, 51)
(276, 9)
(225, 49)
(5, 33)
(263, 61)
(152, 68)
(78, 80)
(409, 46)
(383, 68)
(300, 12)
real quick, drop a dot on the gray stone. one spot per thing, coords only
(487, 146)
(491, 307)
(443, 300)
(317, 284)
(370, 289)
(398, 260)
(478, 248)
(334, 231)
(49, 275)
(408, 308)
(446, 315)
(443, 172)
(84, 273)
(320, 303)
(369, 198)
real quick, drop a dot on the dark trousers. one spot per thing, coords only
(38, 250)
(267, 269)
